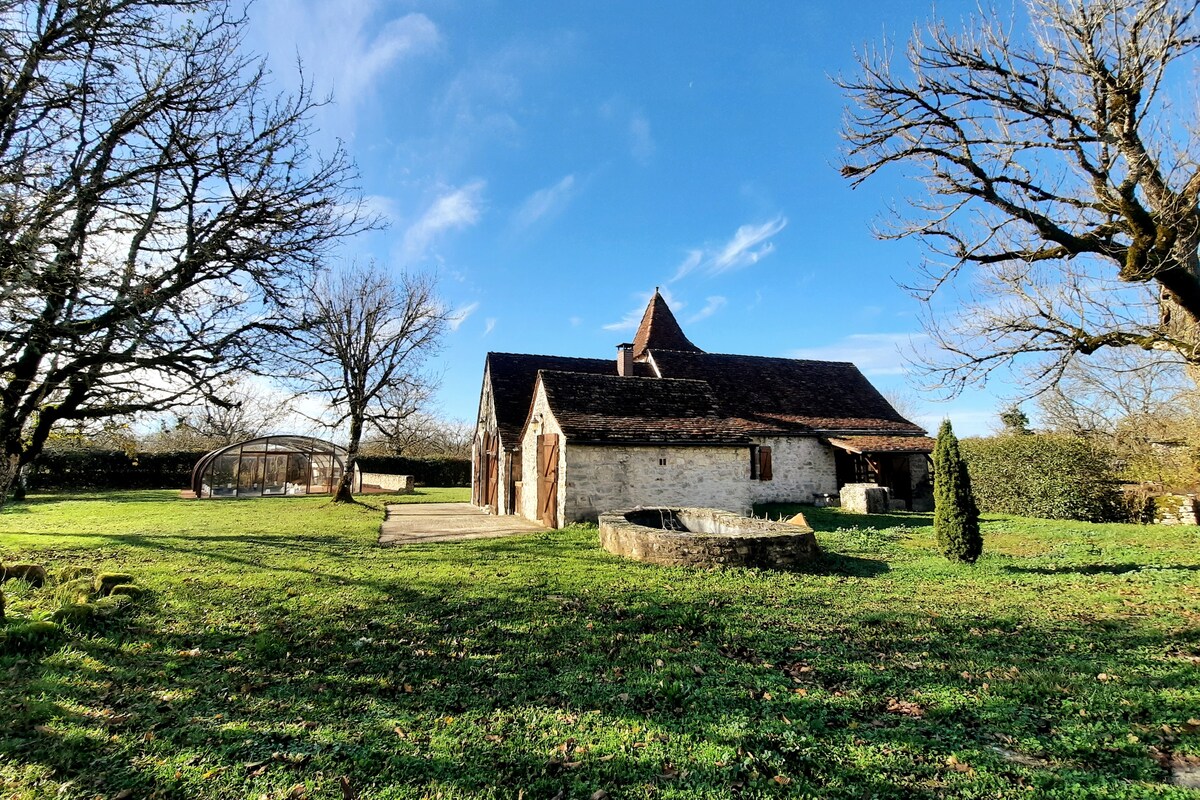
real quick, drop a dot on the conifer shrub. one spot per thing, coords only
(1052, 476)
(955, 515)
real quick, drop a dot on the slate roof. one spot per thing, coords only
(609, 408)
(515, 374)
(659, 330)
(679, 393)
(785, 395)
(884, 444)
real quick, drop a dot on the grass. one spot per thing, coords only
(280, 652)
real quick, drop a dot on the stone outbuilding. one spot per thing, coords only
(563, 439)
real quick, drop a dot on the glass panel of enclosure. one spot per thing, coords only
(270, 467)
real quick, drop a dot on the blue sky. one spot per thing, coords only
(554, 162)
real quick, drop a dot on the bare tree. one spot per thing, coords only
(424, 435)
(1061, 180)
(1099, 395)
(158, 205)
(362, 347)
(237, 408)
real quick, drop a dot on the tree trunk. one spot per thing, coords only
(345, 490)
(10, 465)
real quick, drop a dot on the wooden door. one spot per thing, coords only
(477, 483)
(547, 485)
(493, 471)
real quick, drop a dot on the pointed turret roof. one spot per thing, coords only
(659, 330)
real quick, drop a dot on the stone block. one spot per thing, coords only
(865, 498)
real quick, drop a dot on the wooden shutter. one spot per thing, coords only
(493, 471)
(764, 463)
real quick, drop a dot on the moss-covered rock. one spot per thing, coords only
(108, 606)
(26, 636)
(79, 590)
(105, 581)
(75, 613)
(126, 590)
(68, 574)
(34, 574)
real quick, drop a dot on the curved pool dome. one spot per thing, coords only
(272, 466)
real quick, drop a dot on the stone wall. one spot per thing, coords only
(600, 478)
(801, 467)
(1175, 509)
(399, 484)
(713, 537)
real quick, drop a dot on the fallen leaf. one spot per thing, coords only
(905, 707)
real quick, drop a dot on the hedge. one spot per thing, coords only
(1051, 476)
(105, 470)
(108, 470)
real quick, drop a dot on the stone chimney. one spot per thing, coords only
(625, 359)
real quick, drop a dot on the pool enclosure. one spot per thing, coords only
(272, 466)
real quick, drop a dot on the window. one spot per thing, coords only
(662, 462)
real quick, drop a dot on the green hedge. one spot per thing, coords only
(104, 470)
(1051, 476)
(108, 470)
(432, 471)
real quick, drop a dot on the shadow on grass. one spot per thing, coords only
(1100, 569)
(497, 687)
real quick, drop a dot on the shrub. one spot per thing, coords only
(1053, 476)
(955, 515)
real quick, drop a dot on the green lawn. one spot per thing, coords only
(279, 650)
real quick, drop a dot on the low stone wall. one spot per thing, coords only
(1175, 509)
(379, 481)
(704, 537)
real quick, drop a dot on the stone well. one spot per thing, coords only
(704, 537)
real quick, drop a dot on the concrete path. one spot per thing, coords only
(416, 523)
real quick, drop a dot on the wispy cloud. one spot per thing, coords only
(453, 210)
(749, 244)
(545, 203)
(489, 325)
(712, 306)
(873, 353)
(630, 321)
(634, 125)
(347, 47)
(641, 141)
(456, 319)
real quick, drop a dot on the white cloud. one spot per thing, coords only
(713, 305)
(873, 353)
(545, 203)
(346, 47)
(633, 317)
(454, 210)
(641, 142)
(489, 325)
(459, 316)
(749, 245)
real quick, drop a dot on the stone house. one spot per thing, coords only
(664, 423)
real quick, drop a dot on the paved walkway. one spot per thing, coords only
(415, 523)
